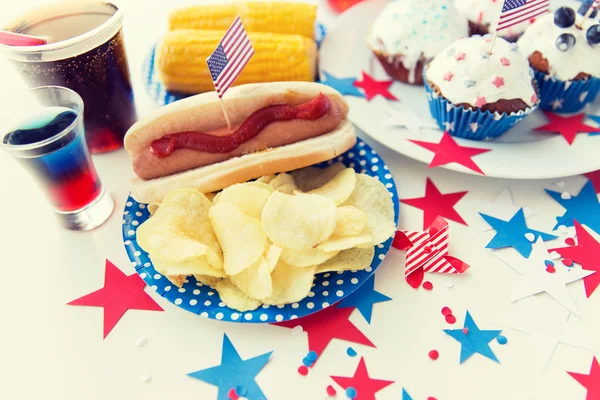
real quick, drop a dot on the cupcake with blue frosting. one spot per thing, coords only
(477, 95)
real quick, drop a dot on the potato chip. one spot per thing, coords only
(234, 298)
(281, 180)
(177, 280)
(339, 188)
(247, 197)
(272, 256)
(255, 282)
(349, 260)
(288, 188)
(211, 196)
(290, 284)
(310, 178)
(261, 185)
(152, 207)
(351, 221)
(207, 280)
(372, 197)
(298, 222)
(265, 179)
(240, 235)
(337, 243)
(307, 257)
(179, 237)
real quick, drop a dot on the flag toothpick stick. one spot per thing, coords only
(229, 59)
(589, 12)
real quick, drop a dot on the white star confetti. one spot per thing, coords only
(409, 120)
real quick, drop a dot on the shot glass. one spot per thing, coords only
(43, 130)
(85, 52)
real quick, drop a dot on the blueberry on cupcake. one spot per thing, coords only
(477, 95)
(564, 51)
(407, 34)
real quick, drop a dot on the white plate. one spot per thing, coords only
(518, 154)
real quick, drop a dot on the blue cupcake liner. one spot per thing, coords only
(471, 124)
(565, 97)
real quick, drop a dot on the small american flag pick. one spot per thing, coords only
(230, 57)
(427, 251)
(516, 11)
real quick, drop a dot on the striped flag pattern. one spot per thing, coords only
(230, 57)
(516, 11)
(596, 4)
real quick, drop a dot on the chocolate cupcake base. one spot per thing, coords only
(395, 69)
(483, 29)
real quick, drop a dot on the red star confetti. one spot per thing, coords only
(436, 204)
(119, 294)
(498, 81)
(362, 383)
(586, 254)
(595, 178)
(324, 326)
(448, 151)
(373, 88)
(590, 381)
(427, 251)
(569, 127)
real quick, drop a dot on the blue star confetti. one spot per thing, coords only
(234, 373)
(364, 298)
(343, 85)
(512, 233)
(596, 119)
(584, 208)
(474, 340)
(405, 395)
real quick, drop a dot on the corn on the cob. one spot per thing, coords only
(257, 16)
(181, 59)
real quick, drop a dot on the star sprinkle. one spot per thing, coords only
(585, 253)
(583, 207)
(119, 294)
(324, 326)
(409, 120)
(364, 298)
(373, 88)
(556, 103)
(568, 127)
(505, 61)
(448, 151)
(594, 177)
(474, 340)
(460, 56)
(503, 207)
(448, 76)
(469, 83)
(590, 381)
(437, 204)
(480, 101)
(234, 372)
(534, 278)
(343, 85)
(513, 233)
(365, 386)
(498, 81)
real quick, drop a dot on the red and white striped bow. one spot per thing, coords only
(427, 251)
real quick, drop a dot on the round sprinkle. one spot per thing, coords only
(550, 269)
(312, 355)
(232, 395)
(446, 311)
(307, 362)
(549, 263)
(240, 390)
(570, 241)
(351, 352)
(331, 391)
(141, 342)
(351, 392)
(146, 378)
(465, 331)
(303, 370)
(434, 355)
(451, 319)
(449, 285)
(501, 339)
(567, 262)
(427, 285)
(431, 398)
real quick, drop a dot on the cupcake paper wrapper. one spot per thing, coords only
(566, 96)
(471, 124)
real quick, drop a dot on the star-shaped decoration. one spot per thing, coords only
(569, 127)
(584, 208)
(595, 118)
(480, 101)
(594, 177)
(503, 207)
(234, 372)
(343, 85)
(474, 340)
(587, 254)
(364, 298)
(326, 325)
(373, 88)
(448, 151)
(556, 103)
(498, 81)
(437, 204)
(405, 395)
(512, 233)
(449, 126)
(365, 386)
(534, 277)
(119, 294)
(409, 120)
(590, 381)
(448, 76)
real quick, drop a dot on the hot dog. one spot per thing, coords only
(276, 127)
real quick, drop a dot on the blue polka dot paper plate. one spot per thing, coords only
(328, 288)
(162, 96)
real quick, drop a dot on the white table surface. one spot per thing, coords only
(49, 350)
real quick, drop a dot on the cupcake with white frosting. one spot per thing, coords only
(407, 34)
(565, 55)
(483, 16)
(477, 95)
